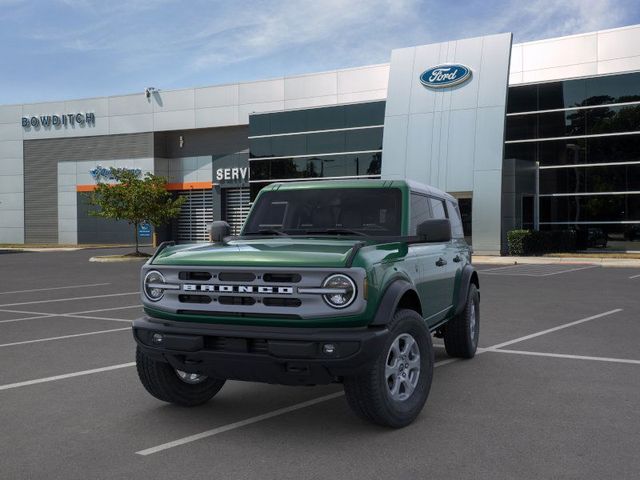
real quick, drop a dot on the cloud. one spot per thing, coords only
(540, 19)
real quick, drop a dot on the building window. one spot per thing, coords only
(328, 142)
(586, 152)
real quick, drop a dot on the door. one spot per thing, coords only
(236, 207)
(430, 278)
(448, 264)
(196, 214)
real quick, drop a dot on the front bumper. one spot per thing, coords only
(283, 355)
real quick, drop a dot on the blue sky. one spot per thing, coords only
(65, 49)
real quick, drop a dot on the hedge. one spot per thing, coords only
(534, 242)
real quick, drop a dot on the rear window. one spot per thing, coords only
(372, 211)
(456, 222)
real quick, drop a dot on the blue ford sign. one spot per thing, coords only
(442, 76)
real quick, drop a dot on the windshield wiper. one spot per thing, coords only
(268, 231)
(338, 231)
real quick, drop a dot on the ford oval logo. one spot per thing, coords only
(442, 76)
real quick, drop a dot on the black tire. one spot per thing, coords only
(459, 340)
(368, 393)
(161, 380)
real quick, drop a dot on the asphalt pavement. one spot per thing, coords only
(552, 393)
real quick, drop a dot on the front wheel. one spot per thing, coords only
(393, 390)
(175, 386)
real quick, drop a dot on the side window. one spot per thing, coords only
(456, 221)
(419, 211)
(437, 207)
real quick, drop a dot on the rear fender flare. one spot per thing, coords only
(469, 276)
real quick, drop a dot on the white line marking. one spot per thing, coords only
(69, 299)
(109, 319)
(67, 315)
(25, 318)
(56, 288)
(570, 270)
(241, 423)
(105, 309)
(533, 270)
(554, 329)
(63, 337)
(256, 419)
(66, 375)
(563, 355)
(634, 276)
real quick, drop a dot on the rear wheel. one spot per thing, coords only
(462, 332)
(393, 390)
(175, 386)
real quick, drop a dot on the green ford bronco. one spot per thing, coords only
(329, 282)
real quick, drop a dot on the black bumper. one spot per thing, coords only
(289, 356)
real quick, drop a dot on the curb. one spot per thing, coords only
(603, 262)
(117, 258)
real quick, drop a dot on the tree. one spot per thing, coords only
(134, 199)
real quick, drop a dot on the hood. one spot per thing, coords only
(273, 252)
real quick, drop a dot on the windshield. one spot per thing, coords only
(331, 211)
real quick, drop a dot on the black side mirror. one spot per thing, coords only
(218, 230)
(435, 230)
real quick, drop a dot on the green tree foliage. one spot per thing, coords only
(135, 199)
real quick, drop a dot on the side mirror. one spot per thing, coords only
(218, 230)
(435, 230)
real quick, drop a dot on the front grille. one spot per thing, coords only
(195, 276)
(228, 300)
(194, 299)
(213, 313)
(282, 277)
(236, 277)
(282, 302)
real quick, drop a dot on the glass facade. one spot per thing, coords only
(582, 138)
(327, 142)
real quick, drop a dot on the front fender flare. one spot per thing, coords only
(390, 300)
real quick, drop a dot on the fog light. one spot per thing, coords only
(157, 338)
(329, 348)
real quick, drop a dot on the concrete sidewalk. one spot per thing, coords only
(595, 260)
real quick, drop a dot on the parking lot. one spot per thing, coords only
(553, 393)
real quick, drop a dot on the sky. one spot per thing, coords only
(68, 49)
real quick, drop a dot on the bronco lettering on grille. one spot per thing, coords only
(190, 287)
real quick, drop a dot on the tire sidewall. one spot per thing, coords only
(408, 321)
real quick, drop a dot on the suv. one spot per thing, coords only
(329, 282)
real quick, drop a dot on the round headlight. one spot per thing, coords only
(345, 291)
(152, 280)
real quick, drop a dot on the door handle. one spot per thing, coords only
(441, 262)
(457, 259)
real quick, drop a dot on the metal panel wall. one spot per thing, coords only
(451, 138)
(41, 173)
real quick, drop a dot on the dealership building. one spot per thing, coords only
(543, 134)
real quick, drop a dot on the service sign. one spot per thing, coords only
(442, 76)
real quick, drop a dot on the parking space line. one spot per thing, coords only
(89, 317)
(69, 299)
(12, 320)
(48, 339)
(10, 386)
(570, 270)
(241, 423)
(56, 288)
(563, 355)
(105, 309)
(554, 329)
(536, 270)
(634, 276)
(256, 419)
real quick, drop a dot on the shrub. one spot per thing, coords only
(534, 242)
